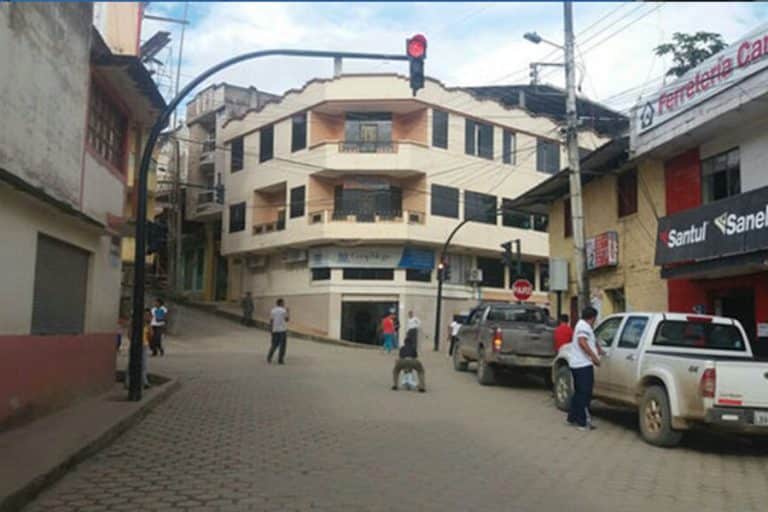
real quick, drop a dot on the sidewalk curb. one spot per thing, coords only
(264, 327)
(23, 496)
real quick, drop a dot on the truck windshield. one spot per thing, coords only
(699, 335)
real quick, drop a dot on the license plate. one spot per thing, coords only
(761, 418)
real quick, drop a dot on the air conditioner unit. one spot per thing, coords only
(294, 256)
(256, 261)
(475, 275)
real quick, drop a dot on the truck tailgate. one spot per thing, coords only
(528, 341)
(741, 384)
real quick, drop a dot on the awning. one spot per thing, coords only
(742, 264)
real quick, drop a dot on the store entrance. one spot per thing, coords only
(738, 303)
(360, 320)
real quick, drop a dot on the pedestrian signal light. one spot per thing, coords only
(416, 48)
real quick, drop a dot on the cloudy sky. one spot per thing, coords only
(470, 43)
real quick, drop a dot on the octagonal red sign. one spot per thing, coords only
(522, 289)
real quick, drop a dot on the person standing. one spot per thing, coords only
(159, 319)
(278, 326)
(454, 335)
(563, 333)
(584, 356)
(388, 332)
(412, 328)
(247, 304)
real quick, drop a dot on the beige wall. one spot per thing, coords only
(119, 23)
(411, 126)
(636, 273)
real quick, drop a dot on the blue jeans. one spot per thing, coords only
(583, 381)
(389, 342)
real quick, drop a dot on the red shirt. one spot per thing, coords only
(563, 335)
(388, 325)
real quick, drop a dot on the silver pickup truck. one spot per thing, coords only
(505, 336)
(678, 371)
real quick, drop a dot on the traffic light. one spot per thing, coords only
(507, 254)
(219, 189)
(443, 271)
(416, 48)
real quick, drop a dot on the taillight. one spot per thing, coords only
(497, 340)
(707, 383)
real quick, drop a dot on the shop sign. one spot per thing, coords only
(730, 226)
(372, 257)
(603, 250)
(722, 70)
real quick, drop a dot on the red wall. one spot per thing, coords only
(40, 373)
(682, 176)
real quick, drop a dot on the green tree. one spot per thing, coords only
(690, 50)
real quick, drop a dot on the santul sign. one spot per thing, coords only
(731, 226)
(722, 70)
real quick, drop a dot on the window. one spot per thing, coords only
(417, 274)
(237, 153)
(267, 143)
(606, 331)
(514, 219)
(368, 132)
(445, 201)
(368, 203)
(478, 139)
(376, 274)
(298, 132)
(508, 147)
(237, 217)
(527, 271)
(567, 219)
(721, 176)
(460, 266)
(626, 185)
(699, 335)
(544, 277)
(633, 331)
(540, 223)
(479, 207)
(321, 274)
(547, 156)
(297, 201)
(107, 127)
(493, 272)
(440, 129)
(61, 278)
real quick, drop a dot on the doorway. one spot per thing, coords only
(360, 320)
(738, 303)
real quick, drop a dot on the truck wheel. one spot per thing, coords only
(486, 375)
(563, 388)
(459, 363)
(656, 418)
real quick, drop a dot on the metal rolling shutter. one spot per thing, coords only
(61, 276)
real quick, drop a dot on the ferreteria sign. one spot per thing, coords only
(730, 226)
(722, 70)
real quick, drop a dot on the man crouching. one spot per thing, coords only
(408, 361)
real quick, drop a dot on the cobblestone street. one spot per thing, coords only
(325, 432)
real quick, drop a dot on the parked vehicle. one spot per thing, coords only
(504, 337)
(679, 371)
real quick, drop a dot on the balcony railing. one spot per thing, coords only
(206, 197)
(271, 226)
(326, 216)
(368, 147)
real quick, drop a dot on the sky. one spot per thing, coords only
(469, 43)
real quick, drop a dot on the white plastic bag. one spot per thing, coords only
(409, 380)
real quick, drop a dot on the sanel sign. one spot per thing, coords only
(731, 226)
(722, 70)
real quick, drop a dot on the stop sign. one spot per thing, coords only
(522, 289)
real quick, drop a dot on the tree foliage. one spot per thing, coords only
(690, 50)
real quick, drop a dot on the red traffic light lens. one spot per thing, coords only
(417, 46)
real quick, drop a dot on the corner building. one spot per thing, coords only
(339, 196)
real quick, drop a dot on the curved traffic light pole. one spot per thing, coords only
(137, 325)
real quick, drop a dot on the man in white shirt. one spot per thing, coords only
(413, 324)
(454, 328)
(157, 323)
(278, 326)
(584, 356)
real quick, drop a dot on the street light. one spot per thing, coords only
(535, 38)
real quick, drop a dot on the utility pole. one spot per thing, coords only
(572, 140)
(178, 221)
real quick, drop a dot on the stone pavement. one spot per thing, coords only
(325, 433)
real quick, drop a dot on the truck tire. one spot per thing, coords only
(459, 363)
(486, 374)
(656, 418)
(563, 388)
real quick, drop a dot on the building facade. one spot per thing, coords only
(203, 270)
(63, 172)
(340, 194)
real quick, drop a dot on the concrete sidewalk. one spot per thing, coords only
(37, 454)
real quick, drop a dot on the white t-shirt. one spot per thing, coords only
(455, 328)
(158, 316)
(413, 323)
(578, 358)
(279, 316)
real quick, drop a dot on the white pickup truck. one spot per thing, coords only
(679, 371)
